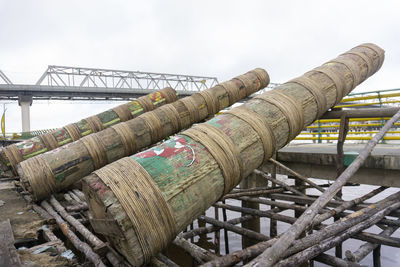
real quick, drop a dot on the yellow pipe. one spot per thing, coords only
(349, 133)
(369, 97)
(367, 104)
(351, 125)
(347, 138)
(354, 119)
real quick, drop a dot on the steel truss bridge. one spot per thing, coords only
(73, 83)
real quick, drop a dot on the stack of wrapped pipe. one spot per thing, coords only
(13, 154)
(141, 202)
(55, 170)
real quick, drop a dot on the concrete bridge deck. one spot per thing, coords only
(382, 167)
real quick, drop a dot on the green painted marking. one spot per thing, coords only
(35, 153)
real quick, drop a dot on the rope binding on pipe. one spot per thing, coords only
(169, 94)
(192, 108)
(222, 149)
(260, 126)
(127, 137)
(262, 76)
(73, 131)
(155, 126)
(13, 155)
(340, 85)
(313, 88)
(143, 202)
(292, 110)
(232, 90)
(49, 141)
(123, 112)
(352, 67)
(211, 101)
(366, 59)
(96, 150)
(95, 124)
(173, 116)
(146, 103)
(40, 177)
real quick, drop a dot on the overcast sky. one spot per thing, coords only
(211, 38)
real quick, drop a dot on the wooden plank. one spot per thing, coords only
(8, 253)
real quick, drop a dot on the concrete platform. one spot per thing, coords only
(382, 167)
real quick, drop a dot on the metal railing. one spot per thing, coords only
(359, 128)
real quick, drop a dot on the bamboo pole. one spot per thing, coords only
(13, 154)
(188, 173)
(334, 261)
(199, 254)
(254, 251)
(236, 229)
(91, 238)
(333, 241)
(58, 169)
(367, 248)
(210, 229)
(78, 244)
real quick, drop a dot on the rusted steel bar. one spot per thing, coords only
(217, 233)
(377, 256)
(343, 130)
(78, 244)
(226, 239)
(326, 244)
(235, 229)
(367, 248)
(273, 224)
(361, 113)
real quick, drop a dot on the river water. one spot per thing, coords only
(390, 256)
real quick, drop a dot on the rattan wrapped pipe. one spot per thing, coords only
(13, 154)
(57, 169)
(151, 196)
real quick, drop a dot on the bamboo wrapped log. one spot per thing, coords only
(57, 169)
(13, 154)
(155, 194)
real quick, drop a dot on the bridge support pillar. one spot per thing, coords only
(25, 101)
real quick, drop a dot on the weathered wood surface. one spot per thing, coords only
(57, 169)
(8, 253)
(11, 155)
(191, 174)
